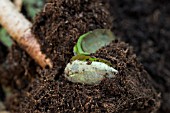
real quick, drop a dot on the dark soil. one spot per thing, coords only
(15, 72)
(143, 24)
(130, 91)
(3, 53)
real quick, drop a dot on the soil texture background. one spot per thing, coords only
(144, 25)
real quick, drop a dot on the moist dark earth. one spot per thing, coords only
(143, 25)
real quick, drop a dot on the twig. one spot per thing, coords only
(19, 28)
(18, 4)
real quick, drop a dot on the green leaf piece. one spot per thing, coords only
(89, 58)
(92, 41)
(33, 7)
(5, 38)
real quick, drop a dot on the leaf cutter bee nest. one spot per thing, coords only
(79, 70)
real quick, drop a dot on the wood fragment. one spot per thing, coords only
(20, 30)
(18, 4)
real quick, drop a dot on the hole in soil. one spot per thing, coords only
(3, 53)
(2, 94)
(151, 102)
(116, 40)
(47, 67)
(60, 72)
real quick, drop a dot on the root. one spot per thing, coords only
(18, 4)
(20, 30)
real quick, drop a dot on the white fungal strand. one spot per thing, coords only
(88, 73)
